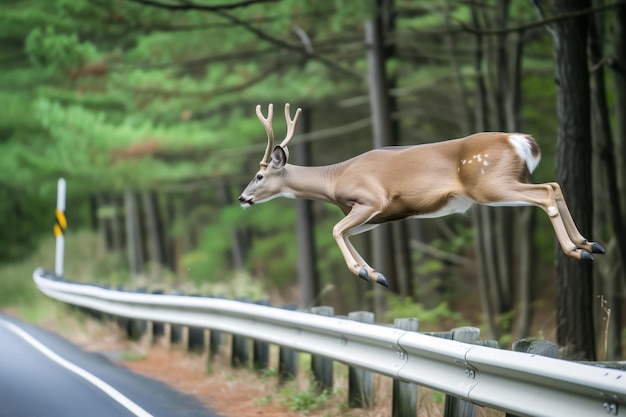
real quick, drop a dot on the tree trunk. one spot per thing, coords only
(170, 256)
(133, 234)
(308, 276)
(574, 280)
(607, 190)
(619, 77)
(237, 250)
(484, 266)
(382, 240)
(94, 219)
(153, 231)
(524, 216)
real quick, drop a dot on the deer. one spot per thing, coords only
(418, 181)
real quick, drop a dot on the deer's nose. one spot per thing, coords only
(242, 199)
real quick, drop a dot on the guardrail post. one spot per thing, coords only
(360, 381)
(195, 336)
(322, 368)
(536, 347)
(404, 397)
(215, 340)
(158, 329)
(136, 328)
(261, 350)
(488, 343)
(122, 322)
(287, 358)
(456, 407)
(176, 330)
(240, 356)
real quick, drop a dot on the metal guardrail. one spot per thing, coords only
(518, 383)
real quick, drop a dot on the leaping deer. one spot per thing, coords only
(430, 180)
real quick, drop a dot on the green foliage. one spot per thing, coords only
(58, 51)
(118, 95)
(20, 238)
(436, 318)
(305, 401)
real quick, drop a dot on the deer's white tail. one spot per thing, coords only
(527, 149)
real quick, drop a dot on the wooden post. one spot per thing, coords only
(215, 340)
(456, 407)
(404, 398)
(240, 355)
(176, 330)
(287, 358)
(158, 329)
(122, 322)
(322, 368)
(261, 350)
(136, 328)
(195, 336)
(360, 381)
(536, 347)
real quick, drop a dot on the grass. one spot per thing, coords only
(85, 260)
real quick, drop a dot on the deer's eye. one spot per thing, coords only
(259, 177)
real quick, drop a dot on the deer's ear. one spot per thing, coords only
(279, 157)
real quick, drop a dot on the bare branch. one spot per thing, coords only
(440, 254)
(193, 6)
(279, 42)
(546, 22)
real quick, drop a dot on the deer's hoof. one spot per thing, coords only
(382, 280)
(595, 248)
(585, 256)
(364, 274)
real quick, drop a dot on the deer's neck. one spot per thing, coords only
(313, 183)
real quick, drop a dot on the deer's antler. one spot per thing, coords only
(267, 123)
(291, 125)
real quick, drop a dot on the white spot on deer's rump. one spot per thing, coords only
(485, 163)
(523, 148)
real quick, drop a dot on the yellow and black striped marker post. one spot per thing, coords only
(59, 228)
(61, 223)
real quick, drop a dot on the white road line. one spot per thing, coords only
(106, 388)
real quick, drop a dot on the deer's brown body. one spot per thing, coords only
(430, 180)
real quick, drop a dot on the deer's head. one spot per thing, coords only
(267, 182)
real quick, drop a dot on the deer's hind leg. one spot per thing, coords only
(552, 202)
(570, 226)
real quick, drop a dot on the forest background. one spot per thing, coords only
(146, 108)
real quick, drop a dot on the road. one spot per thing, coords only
(42, 374)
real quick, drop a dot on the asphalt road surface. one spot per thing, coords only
(42, 374)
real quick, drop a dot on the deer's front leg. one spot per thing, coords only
(349, 225)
